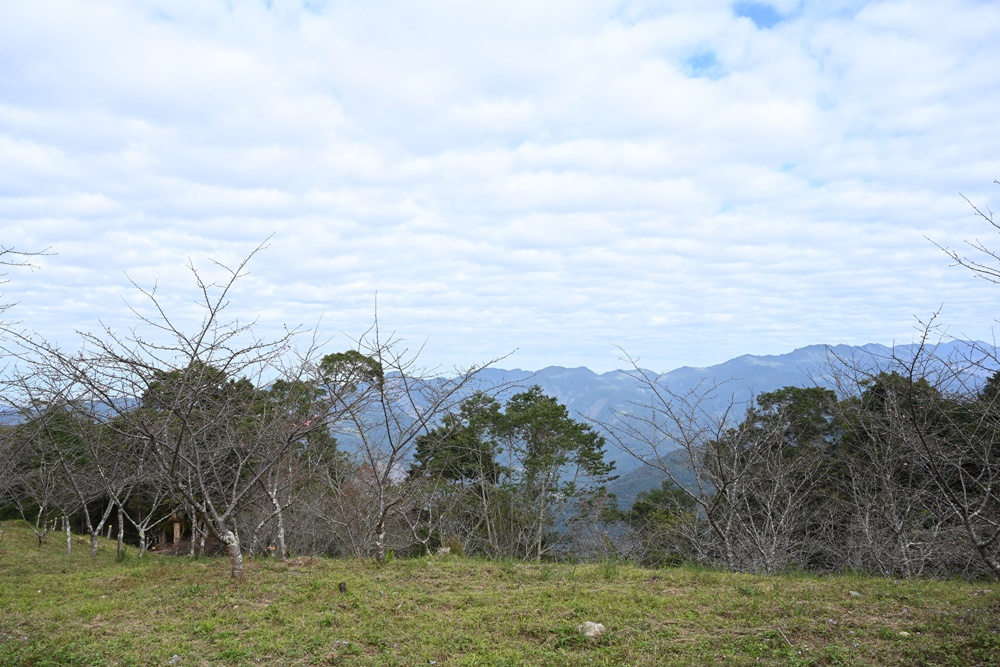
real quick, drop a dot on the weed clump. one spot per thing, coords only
(454, 545)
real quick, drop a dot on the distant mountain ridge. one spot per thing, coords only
(589, 395)
(594, 396)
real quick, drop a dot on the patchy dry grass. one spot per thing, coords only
(59, 609)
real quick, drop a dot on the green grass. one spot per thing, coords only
(59, 609)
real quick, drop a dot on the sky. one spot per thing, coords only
(562, 181)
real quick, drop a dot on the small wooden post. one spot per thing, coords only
(177, 528)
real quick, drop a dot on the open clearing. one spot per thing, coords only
(59, 609)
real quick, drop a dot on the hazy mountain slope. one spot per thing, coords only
(592, 396)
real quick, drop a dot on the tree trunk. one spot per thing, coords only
(280, 517)
(282, 547)
(982, 549)
(194, 529)
(542, 508)
(540, 529)
(95, 531)
(69, 535)
(232, 542)
(490, 536)
(120, 554)
(380, 541)
(42, 528)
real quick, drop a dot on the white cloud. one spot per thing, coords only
(548, 176)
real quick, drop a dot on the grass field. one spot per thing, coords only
(59, 609)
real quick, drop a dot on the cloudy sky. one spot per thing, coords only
(690, 181)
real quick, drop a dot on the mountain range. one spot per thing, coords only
(595, 397)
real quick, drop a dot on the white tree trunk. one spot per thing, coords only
(120, 554)
(279, 512)
(232, 542)
(380, 540)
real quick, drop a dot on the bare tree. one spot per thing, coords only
(751, 481)
(920, 444)
(196, 401)
(968, 471)
(91, 460)
(673, 431)
(955, 431)
(37, 487)
(985, 262)
(888, 501)
(388, 402)
(10, 446)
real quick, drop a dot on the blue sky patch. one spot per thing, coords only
(762, 14)
(704, 65)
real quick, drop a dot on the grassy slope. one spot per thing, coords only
(58, 609)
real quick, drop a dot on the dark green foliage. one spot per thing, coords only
(657, 518)
(807, 415)
(464, 447)
(299, 402)
(351, 368)
(540, 429)
(525, 469)
(660, 506)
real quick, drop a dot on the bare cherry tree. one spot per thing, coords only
(11, 442)
(388, 402)
(967, 466)
(954, 426)
(195, 399)
(36, 484)
(749, 474)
